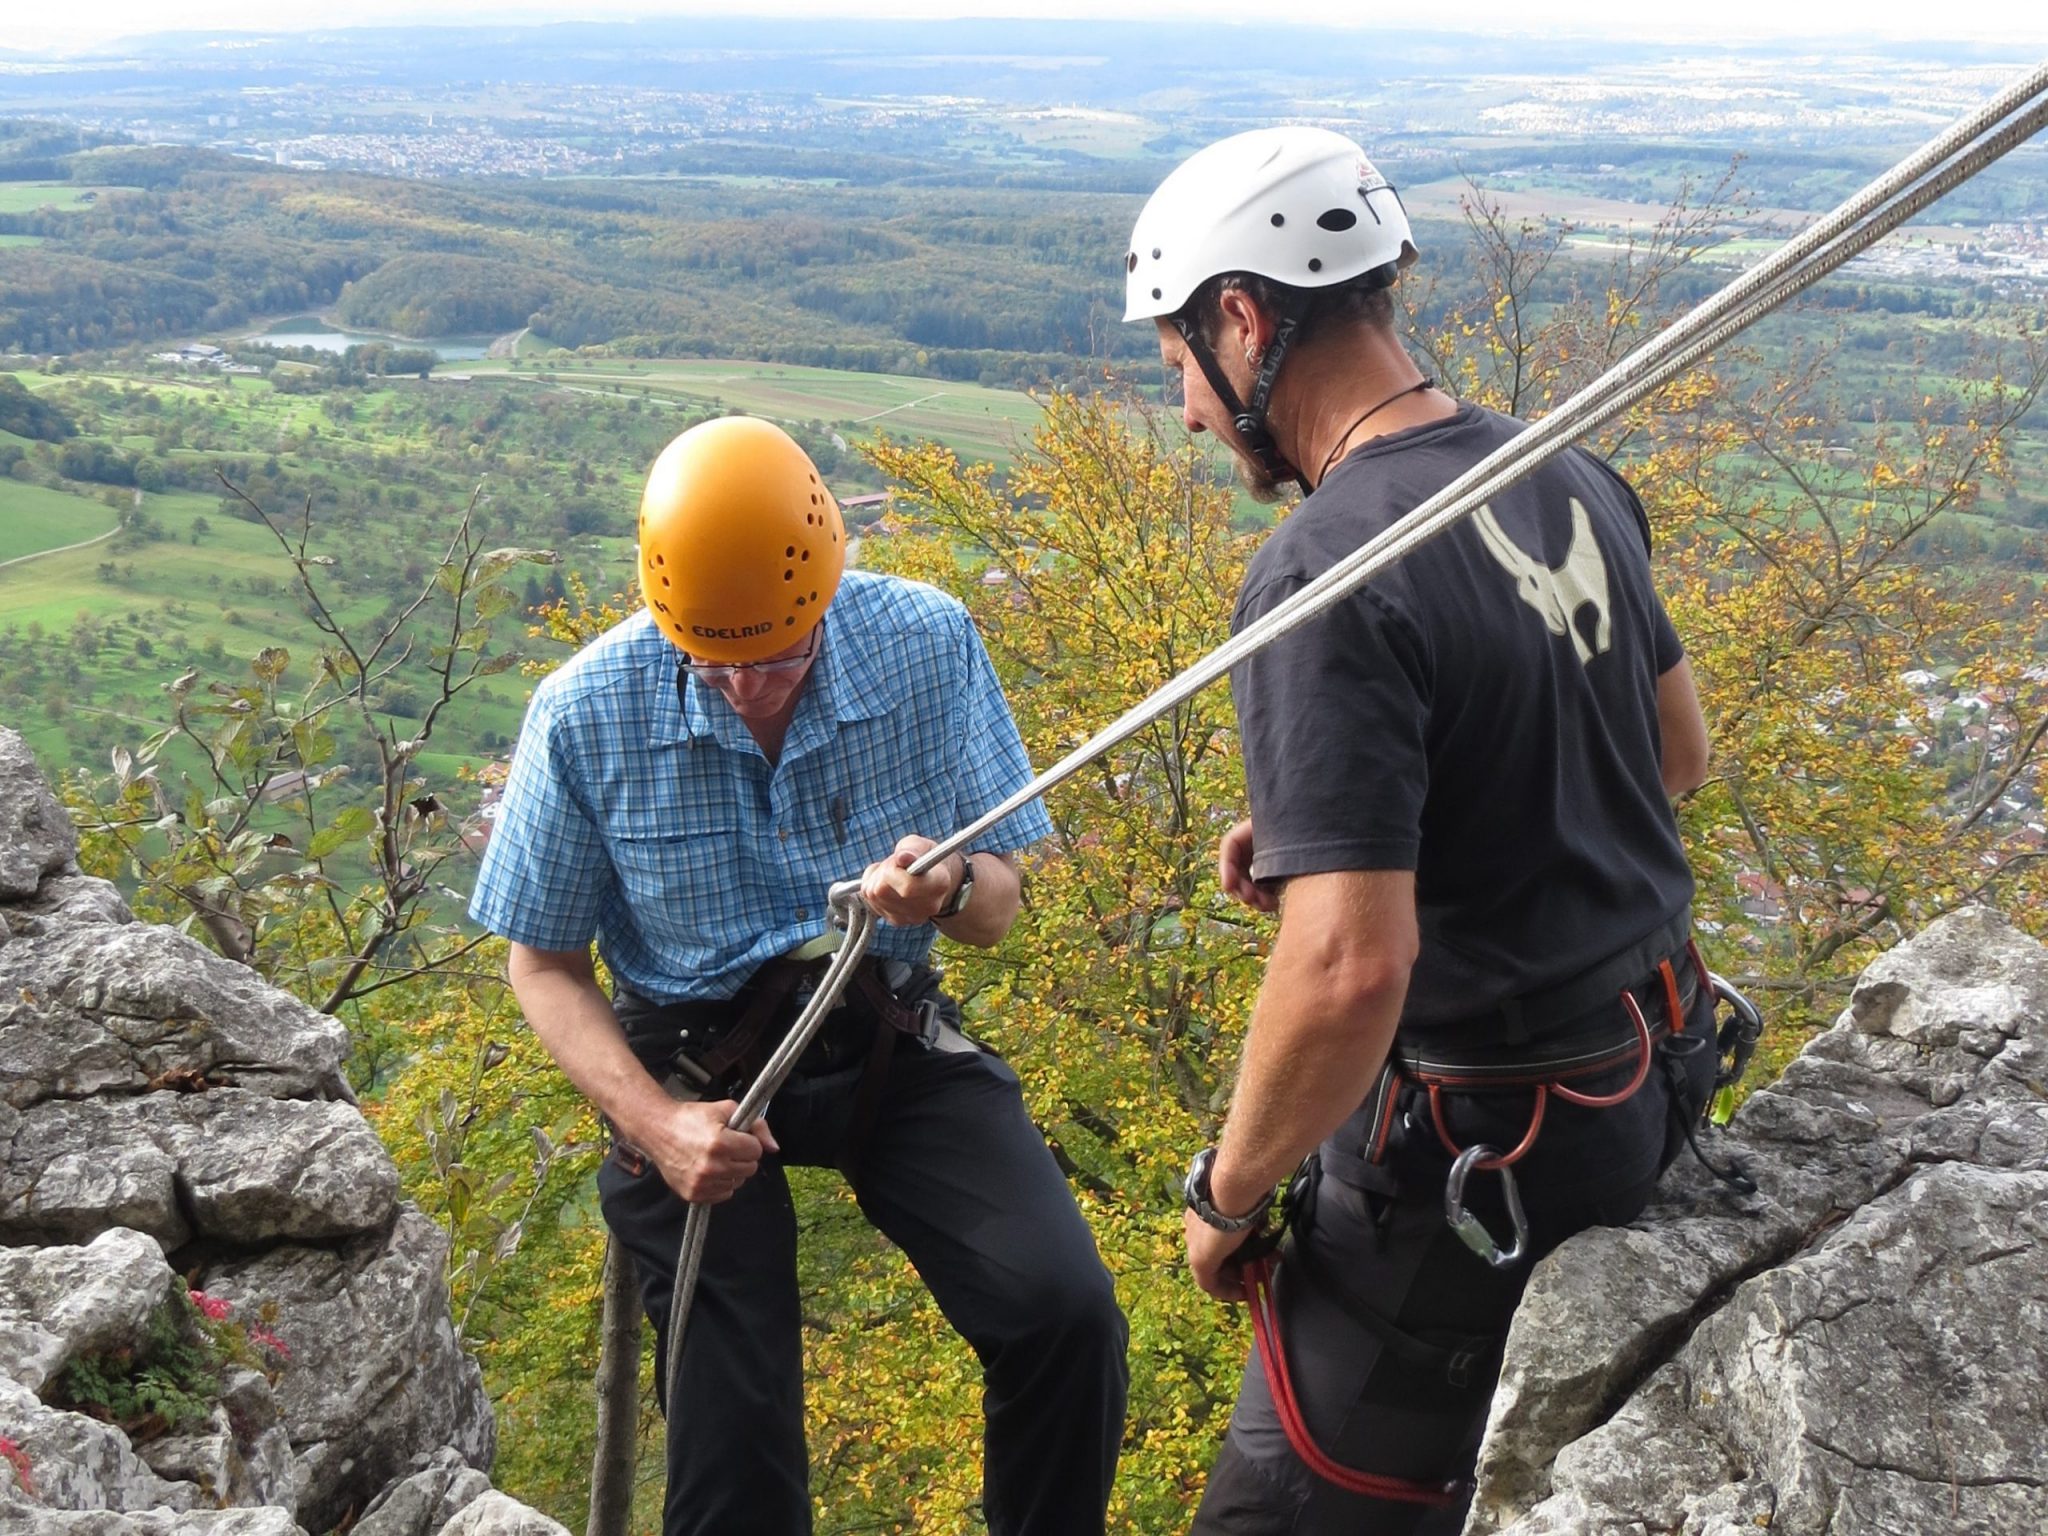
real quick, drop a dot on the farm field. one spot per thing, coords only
(27, 196)
(975, 422)
(34, 518)
(131, 620)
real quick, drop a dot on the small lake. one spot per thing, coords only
(299, 333)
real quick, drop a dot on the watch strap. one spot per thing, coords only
(957, 902)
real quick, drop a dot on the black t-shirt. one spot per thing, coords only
(1483, 713)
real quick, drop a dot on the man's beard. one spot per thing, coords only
(1258, 483)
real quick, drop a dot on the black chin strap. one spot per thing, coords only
(1249, 417)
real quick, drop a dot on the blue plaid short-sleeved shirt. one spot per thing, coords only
(654, 824)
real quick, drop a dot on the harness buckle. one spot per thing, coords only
(1470, 1229)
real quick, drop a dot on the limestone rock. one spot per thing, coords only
(79, 1463)
(57, 1303)
(242, 1457)
(1855, 1350)
(36, 1521)
(156, 1098)
(497, 1514)
(36, 837)
(89, 1006)
(386, 1375)
(424, 1502)
(224, 1163)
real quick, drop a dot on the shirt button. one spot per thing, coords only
(802, 913)
(783, 834)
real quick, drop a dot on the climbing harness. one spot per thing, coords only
(1944, 163)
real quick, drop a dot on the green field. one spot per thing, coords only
(33, 519)
(27, 196)
(177, 597)
(975, 422)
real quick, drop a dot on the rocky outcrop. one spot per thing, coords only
(170, 1123)
(1855, 1350)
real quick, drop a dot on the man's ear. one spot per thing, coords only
(1245, 326)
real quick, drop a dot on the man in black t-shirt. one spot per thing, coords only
(1460, 783)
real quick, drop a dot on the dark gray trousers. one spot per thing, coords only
(956, 1175)
(1374, 1246)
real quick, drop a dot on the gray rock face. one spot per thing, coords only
(58, 1303)
(1855, 1350)
(154, 1099)
(224, 1163)
(36, 837)
(91, 1002)
(496, 1515)
(423, 1503)
(155, 1522)
(392, 1378)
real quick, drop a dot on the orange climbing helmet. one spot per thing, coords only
(741, 545)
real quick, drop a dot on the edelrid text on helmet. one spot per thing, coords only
(1303, 206)
(741, 544)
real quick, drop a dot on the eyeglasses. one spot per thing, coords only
(716, 672)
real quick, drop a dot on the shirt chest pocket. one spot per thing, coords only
(890, 776)
(685, 886)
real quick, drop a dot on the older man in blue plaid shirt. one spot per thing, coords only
(688, 816)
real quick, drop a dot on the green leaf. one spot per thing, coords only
(350, 823)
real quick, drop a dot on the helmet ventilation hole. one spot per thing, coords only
(814, 597)
(790, 552)
(1155, 293)
(1315, 263)
(1279, 219)
(1337, 220)
(799, 602)
(807, 554)
(1131, 262)
(789, 575)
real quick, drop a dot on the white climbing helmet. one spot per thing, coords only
(1302, 206)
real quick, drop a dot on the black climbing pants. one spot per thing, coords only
(953, 1172)
(1409, 1400)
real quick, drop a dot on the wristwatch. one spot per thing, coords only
(957, 902)
(1196, 1193)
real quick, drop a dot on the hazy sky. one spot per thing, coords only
(2020, 22)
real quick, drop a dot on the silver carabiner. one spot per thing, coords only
(1470, 1229)
(840, 900)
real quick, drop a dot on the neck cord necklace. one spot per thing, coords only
(1402, 393)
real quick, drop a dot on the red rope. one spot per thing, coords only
(1258, 1282)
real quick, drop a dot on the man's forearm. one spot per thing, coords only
(998, 893)
(575, 1022)
(1320, 1033)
